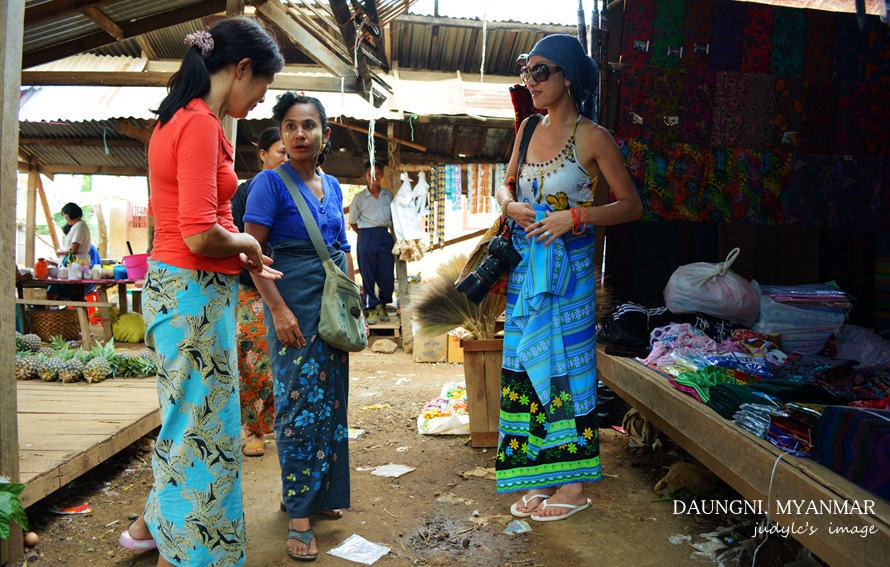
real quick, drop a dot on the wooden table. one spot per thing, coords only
(753, 467)
(78, 301)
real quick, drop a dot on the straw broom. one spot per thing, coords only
(440, 307)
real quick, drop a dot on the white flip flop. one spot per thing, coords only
(571, 507)
(525, 500)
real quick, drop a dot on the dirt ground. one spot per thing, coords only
(434, 515)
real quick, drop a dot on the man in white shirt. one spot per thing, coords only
(371, 217)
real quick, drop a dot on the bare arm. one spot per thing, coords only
(217, 242)
(286, 325)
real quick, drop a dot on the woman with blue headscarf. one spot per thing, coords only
(549, 440)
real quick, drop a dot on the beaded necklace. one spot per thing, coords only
(539, 171)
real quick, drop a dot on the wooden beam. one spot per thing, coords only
(63, 142)
(135, 131)
(12, 15)
(56, 9)
(46, 212)
(275, 13)
(291, 78)
(131, 29)
(108, 25)
(379, 135)
(93, 170)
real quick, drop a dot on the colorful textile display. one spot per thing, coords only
(668, 37)
(638, 32)
(789, 30)
(819, 43)
(728, 34)
(855, 443)
(758, 39)
(697, 45)
(698, 107)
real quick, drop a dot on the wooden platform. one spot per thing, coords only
(753, 468)
(67, 429)
(391, 328)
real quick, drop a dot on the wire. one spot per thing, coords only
(769, 501)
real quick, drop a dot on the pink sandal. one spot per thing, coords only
(127, 541)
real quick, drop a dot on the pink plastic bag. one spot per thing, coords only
(713, 289)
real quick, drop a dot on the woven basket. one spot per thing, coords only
(48, 323)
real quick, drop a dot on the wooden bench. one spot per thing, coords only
(86, 339)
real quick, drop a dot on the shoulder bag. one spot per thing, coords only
(341, 323)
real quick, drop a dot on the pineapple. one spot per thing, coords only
(32, 342)
(97, 369)
(46, 351)
(102, 357)
(71, 370)
(25, 369)
(20, 344)
(49, 369)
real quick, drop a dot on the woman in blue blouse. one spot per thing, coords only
(311, 378)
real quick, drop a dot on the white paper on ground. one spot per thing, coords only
(392, 470)
(358, 549)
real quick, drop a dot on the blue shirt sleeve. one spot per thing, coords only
(337, 209)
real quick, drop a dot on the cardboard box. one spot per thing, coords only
(430, 349)
(455, 351)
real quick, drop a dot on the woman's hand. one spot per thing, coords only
(553, 226)
(522, 213)
(288, 328)
(262, 270)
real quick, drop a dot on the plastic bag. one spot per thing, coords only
(801, 330)
(713, 289)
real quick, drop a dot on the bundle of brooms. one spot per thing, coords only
(440, 307)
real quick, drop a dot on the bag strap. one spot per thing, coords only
(530, 125)
(303, 208)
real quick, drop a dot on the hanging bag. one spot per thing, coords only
(341, 323)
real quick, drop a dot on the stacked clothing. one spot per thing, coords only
(825, 297)
(792, 427)
(855, 443)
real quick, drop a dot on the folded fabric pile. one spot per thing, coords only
(813, 367)
(822, 296)
(855, 443)
(792, 427)
(726, 399)
(754, 418)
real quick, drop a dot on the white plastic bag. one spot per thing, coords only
(713, 289)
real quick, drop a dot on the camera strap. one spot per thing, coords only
(530, 125)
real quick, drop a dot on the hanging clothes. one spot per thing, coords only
(410, 236)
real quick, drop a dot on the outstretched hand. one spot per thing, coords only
(261, 269)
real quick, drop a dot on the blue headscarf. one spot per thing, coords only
(566, 52)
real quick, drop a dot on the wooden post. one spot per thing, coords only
(30, 216)
(12, 18)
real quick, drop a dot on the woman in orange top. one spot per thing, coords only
(194, 513)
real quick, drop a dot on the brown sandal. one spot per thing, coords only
(254, 448)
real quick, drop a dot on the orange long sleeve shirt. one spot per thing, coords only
(192, 179)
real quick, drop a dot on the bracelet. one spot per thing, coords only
(576, 220)
(506, 202)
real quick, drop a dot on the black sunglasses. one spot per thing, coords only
(540, 72)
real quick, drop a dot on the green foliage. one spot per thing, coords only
(11, 507)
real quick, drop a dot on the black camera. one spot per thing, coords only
(501, 257)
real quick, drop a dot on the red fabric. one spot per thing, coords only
(192, 178)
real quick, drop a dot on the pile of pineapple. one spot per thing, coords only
(66, 361)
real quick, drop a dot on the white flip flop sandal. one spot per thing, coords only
(572, 510)
(525, 501)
